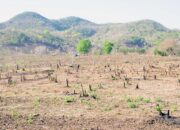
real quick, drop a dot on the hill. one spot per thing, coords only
(30, 32)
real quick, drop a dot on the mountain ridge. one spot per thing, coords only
(33, 29)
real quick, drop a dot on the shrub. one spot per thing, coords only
(160, 53)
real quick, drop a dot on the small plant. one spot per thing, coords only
(113, 77)
(69, 99)
(174, 108)
(14, 114)
(139, 99)
(129, 100)
(132, 105)
(147, 100)
(158, 108)
(37, 102)
(30, 119)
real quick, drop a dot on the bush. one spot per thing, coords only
(107, 47)
(160, 53)
(83, 46)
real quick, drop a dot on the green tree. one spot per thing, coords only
(83, 46)
(107, 47)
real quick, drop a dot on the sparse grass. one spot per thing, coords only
(94, 95)
(147, 100)
(69, 99)
(30, 119)
(158, 99)
(14, 114)
(160, 53)
(174, 108)
(106, 109)
(37, 102)
(129, 100)
(132, 105)
(139, 99)
(111, 107)
(48, 99)
(86, 102)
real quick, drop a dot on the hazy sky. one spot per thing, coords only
(166, 12)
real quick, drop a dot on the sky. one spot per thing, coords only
(167, 12)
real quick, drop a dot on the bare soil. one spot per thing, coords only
(115, 92)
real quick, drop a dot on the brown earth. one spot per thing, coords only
(102, 94)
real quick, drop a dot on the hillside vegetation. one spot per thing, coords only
(29, 31)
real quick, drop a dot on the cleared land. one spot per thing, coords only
(89, 92)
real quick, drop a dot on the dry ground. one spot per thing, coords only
(101, 94)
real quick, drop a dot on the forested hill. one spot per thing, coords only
(30, 32)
